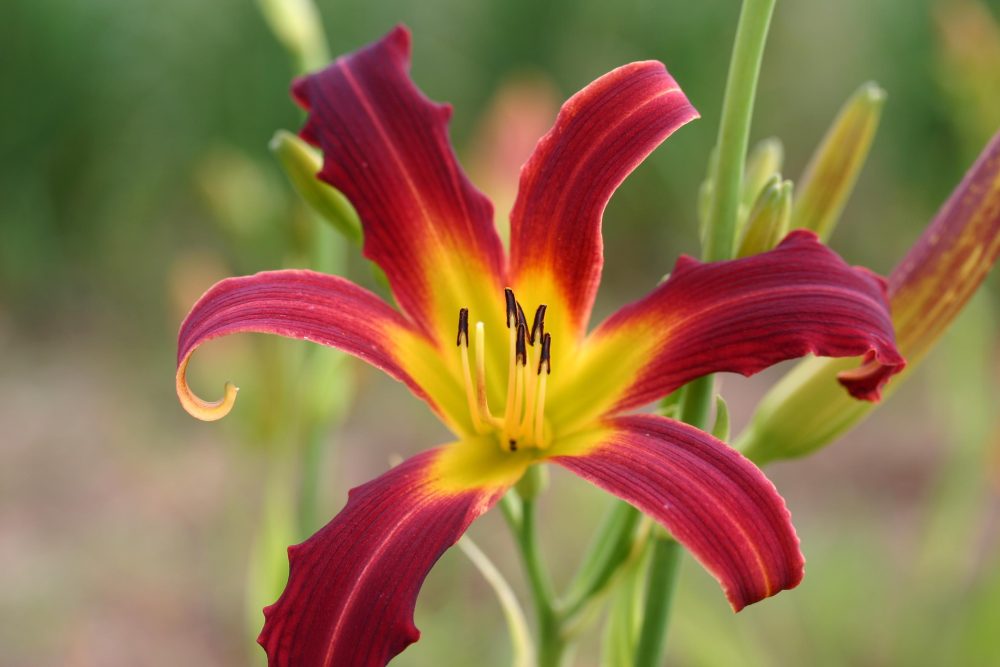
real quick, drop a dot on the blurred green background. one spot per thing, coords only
(134, 172)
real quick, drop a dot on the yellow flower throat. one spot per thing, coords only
(523, 421)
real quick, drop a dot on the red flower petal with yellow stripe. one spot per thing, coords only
(353, 585)
(712, 500)
(386, 147)
(601, 134)
(526, 383)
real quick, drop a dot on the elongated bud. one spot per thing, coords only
(807, 409)
(834, 167)
(763, 165)
(297, 25)
(769, 218)
(301, 162)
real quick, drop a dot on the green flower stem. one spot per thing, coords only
(551, 644)
(698, 402)
(663, 567)
(734, 128)
(720, 241)
(551, 641)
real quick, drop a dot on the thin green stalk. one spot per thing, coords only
(698, 402)
(551, 644)
(734, 128)
(720, 241)
(663, 567)
(520, 516)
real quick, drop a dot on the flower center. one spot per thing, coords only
(522, 423)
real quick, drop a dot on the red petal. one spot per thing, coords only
(297, 304)
(744, 315)
(601, 134)
(711, 499)
(386, 147)
(353, 585)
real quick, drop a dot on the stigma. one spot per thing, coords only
(522, 422)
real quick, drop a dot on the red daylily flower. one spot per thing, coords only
(517, 392)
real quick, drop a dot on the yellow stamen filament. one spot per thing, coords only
(208, 411)
(513, 421)
(540, 411)
(470, 393)
(530, 382)
(511, 375)
(481, 396)
(523, 420)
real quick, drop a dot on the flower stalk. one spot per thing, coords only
(734, 128)
(663, 568)
(719, 242)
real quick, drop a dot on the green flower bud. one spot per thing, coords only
(769, 218)
(764, 163)
(301, 162)
(298, 26)
(808, 408)
(834, 167)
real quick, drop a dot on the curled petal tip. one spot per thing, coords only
(208, 411)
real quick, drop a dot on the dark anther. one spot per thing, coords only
(521, 319)
(513, 445)
(544, 358)
(521, 349)
(508, 295)
(463, 327)
(538, 326)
